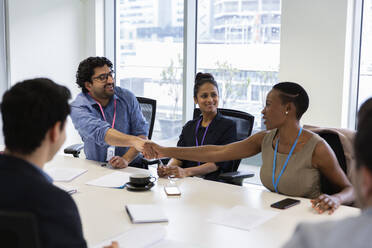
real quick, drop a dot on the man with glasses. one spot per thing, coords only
(107, 117)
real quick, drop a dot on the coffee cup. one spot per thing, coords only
(141, 179)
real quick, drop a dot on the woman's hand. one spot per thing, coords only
(177, 171)
(326, 202)
(172, 171)
(162, 171)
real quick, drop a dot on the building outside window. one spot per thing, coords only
(149, 58)
(238, 42)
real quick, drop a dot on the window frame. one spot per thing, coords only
(356, 42)
(4, 49)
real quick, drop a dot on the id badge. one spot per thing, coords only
(110, 153)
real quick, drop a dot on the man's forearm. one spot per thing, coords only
(116, 138)
(132, 152)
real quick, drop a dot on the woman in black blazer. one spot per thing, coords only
(210, 128)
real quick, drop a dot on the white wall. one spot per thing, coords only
(312, 52)
(48, 38)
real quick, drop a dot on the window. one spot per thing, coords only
(246, 34)
(365, 70)
(3, 62)
(241, 51)
(237, 41)
(149, 58)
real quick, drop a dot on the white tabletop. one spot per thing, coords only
(103, 214)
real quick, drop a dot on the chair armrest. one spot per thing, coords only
(74, 149)
(235, 177)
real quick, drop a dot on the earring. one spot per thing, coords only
(286, 112)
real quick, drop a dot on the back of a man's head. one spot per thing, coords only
(29, 109)
(363, 136)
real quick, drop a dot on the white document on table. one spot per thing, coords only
(113, 180)
(242, 217)
(138, 237)
(166, 243)
(64, 174)
(145, 213)
(152, 236)
(68, 188)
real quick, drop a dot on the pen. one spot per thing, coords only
(160, 163)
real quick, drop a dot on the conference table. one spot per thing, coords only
(103, 214)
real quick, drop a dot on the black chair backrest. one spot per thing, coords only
(148, 108)
(244, 125)
(334, 142)
(18, 229)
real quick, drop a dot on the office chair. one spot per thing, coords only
(244, 125)
(148, 108)
(334, 142)
(18, 230)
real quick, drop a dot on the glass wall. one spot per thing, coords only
(238, 42)
(365, 70)
(149, 58)
(3, 62)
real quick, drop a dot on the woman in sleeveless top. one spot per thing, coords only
(293, 158)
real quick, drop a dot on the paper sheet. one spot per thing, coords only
(173, 244)
(64, 174)
(152, 236)
(149, 235)
(114, 180)
(242, 217)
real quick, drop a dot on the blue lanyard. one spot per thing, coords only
(275, 183)
(196, 134)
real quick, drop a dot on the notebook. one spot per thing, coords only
(145, 213)
(69, 189)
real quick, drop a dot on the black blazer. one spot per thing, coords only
(24, 188)
(221, 131)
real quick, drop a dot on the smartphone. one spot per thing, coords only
(172, 190)
(286, 203)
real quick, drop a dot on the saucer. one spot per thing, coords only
(131, 187)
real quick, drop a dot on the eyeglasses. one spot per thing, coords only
(103, 77)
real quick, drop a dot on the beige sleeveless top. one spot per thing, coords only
(299, 178)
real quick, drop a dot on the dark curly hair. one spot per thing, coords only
(29, 109)
(202, 78)
(86, 70)
(293, 92)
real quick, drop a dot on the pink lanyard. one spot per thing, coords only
(103, 114)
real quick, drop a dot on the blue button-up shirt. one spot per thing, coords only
(92, 127)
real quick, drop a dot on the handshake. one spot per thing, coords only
(149, 149)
